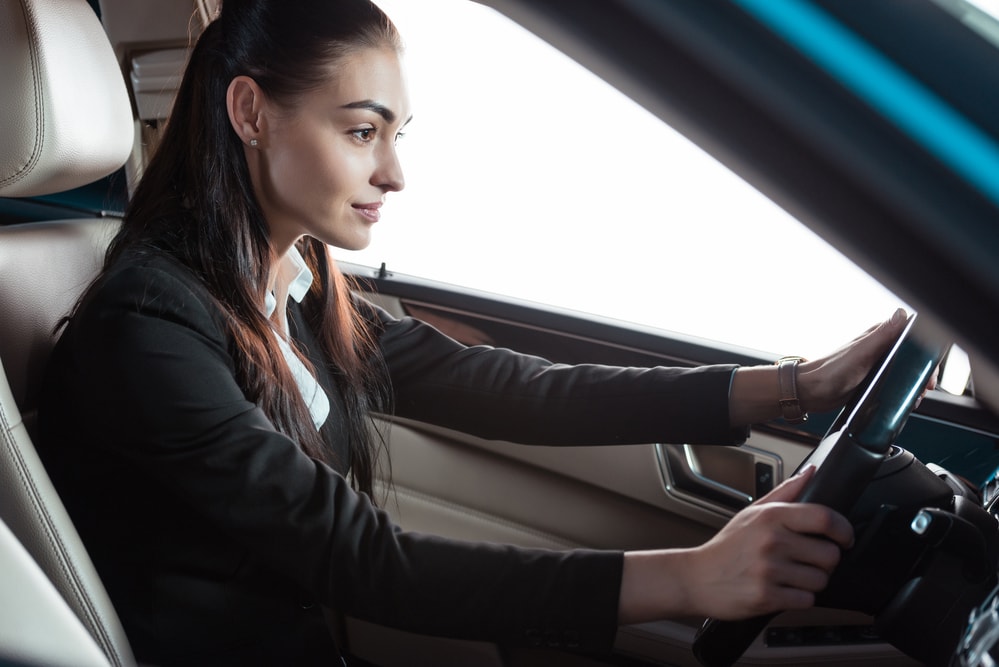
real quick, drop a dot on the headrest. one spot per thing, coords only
(65, 116)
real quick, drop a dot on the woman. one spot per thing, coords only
(211, 393)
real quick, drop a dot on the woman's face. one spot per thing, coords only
(323, 167)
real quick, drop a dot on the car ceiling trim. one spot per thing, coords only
(898, 96)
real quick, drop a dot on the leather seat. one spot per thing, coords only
(33, 614)
(65, 121)
(43, 268)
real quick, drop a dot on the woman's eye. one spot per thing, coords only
(364, 134)
(399, 135)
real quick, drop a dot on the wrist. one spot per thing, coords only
(754, 395)
(652, 586)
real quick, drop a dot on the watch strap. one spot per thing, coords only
(787, 383)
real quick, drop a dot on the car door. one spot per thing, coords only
(655, 495)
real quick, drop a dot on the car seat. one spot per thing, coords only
(66, 121)
(36, 624)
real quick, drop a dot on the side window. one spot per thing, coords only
(529, 176)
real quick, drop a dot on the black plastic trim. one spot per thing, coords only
(574, 337)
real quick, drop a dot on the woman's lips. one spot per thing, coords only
(369, 211)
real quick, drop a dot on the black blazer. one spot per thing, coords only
(219, 541)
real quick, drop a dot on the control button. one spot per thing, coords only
(764, 478)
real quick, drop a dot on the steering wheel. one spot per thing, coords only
(846, 460)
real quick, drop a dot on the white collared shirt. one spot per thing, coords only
(294, 280)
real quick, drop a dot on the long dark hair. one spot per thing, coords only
(195, 202)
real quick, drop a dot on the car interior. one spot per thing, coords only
(89, 85)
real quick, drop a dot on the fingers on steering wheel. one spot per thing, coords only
(814, 552)
(804, 578)
(812, 519)
(791, 598)
(789, 489)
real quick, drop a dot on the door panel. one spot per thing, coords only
(534, 496)
(450, 484)
(615, 497)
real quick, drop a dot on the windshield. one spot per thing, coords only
(529, 176)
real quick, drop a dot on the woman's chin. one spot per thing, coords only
(358, 242)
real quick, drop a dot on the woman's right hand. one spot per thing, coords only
(774, 555)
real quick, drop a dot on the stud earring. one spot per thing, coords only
(254, 142)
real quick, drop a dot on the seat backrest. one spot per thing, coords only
(44, 268)
(65, 121)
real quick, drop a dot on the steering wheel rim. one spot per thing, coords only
(846, 460)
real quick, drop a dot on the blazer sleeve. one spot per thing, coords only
(495, 393)
(163, 397)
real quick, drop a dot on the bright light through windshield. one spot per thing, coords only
(990, 6)
(985, 21)
(530, 177)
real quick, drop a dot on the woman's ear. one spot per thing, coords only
(244, 102)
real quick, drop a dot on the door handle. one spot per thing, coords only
(686, 478)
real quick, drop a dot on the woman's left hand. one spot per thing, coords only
(826, 383)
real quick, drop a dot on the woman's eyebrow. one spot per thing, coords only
(371, 105)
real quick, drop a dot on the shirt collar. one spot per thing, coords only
(293, 272)
(295, 266)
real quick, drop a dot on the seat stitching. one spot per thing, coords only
(39, 107)
(69, 571)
